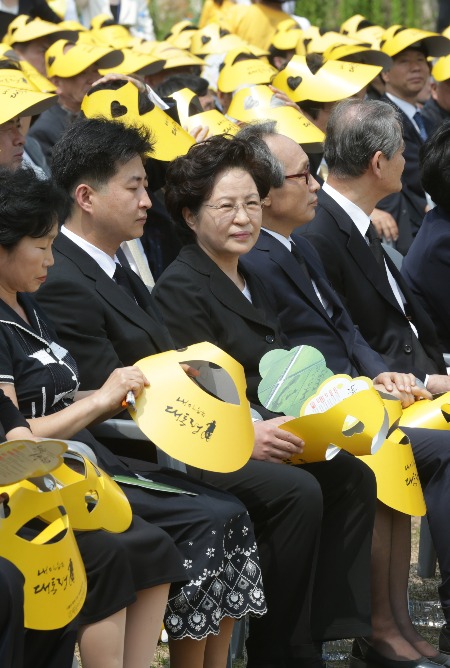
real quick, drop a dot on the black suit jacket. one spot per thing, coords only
(408, 206)
(49, 127)
(365, 291)
(302, 317)
(200, 303)
(426, 269)
(95, 319)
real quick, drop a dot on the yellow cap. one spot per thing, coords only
(371, 35)
(38, 81)
(100, 20)
(136, 62)
(78, 58)
(17, 98)
(357, 53)
(181, 34)
(319, 43)
(55, 579)
(258, 103)
(173, 56)
(432, 43)
(351, 25)
(288, 37)
(223, 437)
(26, 72)
(74, 26)
(24, 29)
(122, 104)
(114, 37)
(441, 69)
(191, 115)
(335, 80)
(212, 39)
(245, 72)
(91, 498)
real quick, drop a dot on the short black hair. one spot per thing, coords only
(190, 178)
(93, 150)
(29, 206)
(435, 166)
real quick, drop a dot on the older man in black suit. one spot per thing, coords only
(363, 150)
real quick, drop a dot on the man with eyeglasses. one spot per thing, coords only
(311, 313)
(309, 310)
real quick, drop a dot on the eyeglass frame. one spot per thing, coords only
(234, 207)
(306, 175)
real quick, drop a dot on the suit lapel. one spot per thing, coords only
(290, 266)
(147, 318)
(224, 289)
(359, 250)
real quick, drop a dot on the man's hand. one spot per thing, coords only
(402, 386)
(273, 444)
(437, 384)
(199, 133)
(190, 371)
(385, 225)
(281, 95)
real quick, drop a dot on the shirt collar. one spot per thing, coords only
(285, 241)
(105, 261)
(361, 219)
(407, 108)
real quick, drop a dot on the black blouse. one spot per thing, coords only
(43, 372)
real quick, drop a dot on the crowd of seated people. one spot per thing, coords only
(254, 240)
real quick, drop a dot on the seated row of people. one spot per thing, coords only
(313, 534)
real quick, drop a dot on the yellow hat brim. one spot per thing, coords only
(336, 80)
(321, 43)
(217, 123)
(36, 29)
(441, 69)
(135, 62)
(17, 101)
(245, 72)
(170, 138)
(78, 58)
(436, 45)
(259, 103)
(358, 54)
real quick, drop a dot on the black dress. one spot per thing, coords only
(212, 530)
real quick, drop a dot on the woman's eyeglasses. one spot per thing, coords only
(228, 212)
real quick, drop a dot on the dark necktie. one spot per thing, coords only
(122, 279)
(418, 118)
(296, 253)
(375, 245)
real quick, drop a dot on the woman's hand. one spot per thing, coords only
(273, 444)
(111, 394)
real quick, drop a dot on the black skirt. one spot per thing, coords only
(214, 534)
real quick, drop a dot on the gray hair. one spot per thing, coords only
(356, 130)
(255, 134)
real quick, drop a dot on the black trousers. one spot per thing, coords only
(25, 648)
(431, 449)
(313, 527)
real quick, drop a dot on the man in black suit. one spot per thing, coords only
(85, 295)
(404, 81)
(426, 267)
(380, 303)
